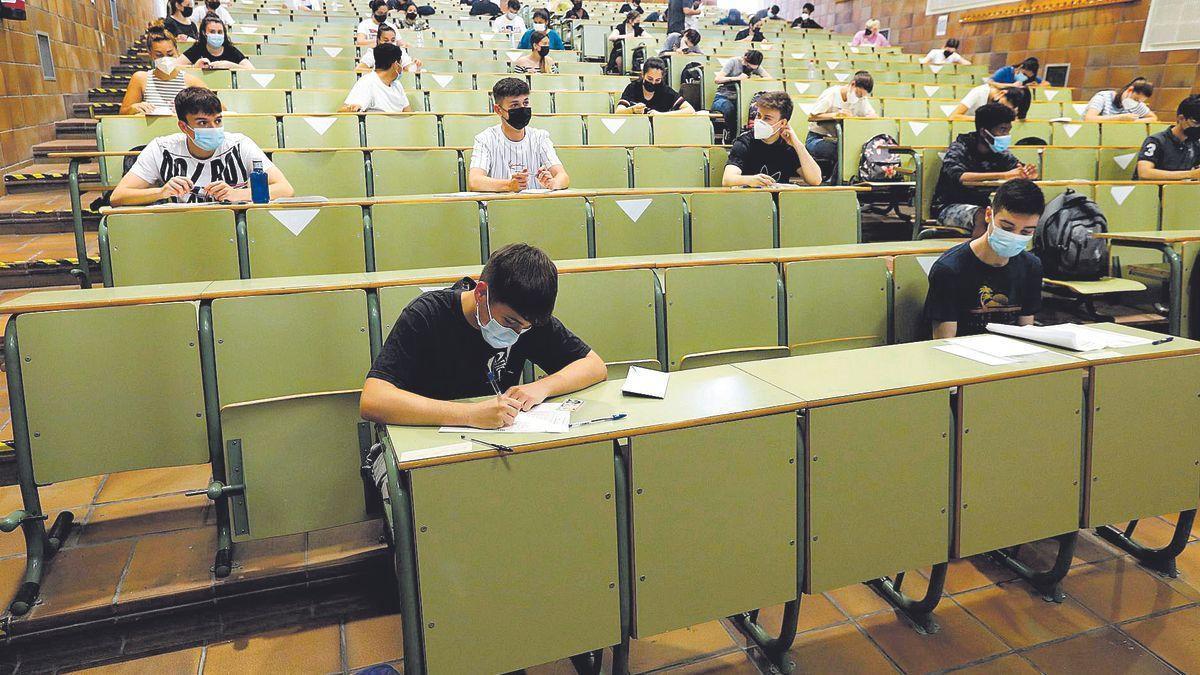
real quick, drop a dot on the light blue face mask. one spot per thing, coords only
(1000, 143)
(209, 140)
(496, 334)
(1021, 77)
(215, 40)
(1007, 244)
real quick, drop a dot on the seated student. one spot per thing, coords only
(202, 163)
(1017, 98)
(577, 11)
(630, 27)
(214, 51)
(541, 24)
(365, 34)
(771, 152)
(412, 19)
(635, 7)
(1173, 153)
(510, 157)
(870, 36)
(510, 21)
(990, 279)
(473, 339)
(213, 7)
(651, 94)
(732, 18)
(805, 19)
(837, 102)
(485, 8)
(387, 36)
(687, 42)
(947, 54)
(980, 155)
(733, 71)
(180, 22)
(774, 15)
(1127, 104)
(1023, 74)
(380, 90)
(538, 59)
(751, 33)
(154, 90)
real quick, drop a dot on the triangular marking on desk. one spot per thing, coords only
(931, 89)
(1051, 94)
(295, 220)
(443, 80)
(947, 109)
(807, 107)
(263, 79)
(842, 77)
(936, 69)
(1072, 129)
(799, 55)
(332, 51)
(1120, 193)
(248, 29)
(833, 64)
(320, 124)
(1080, 108)
(854, 50)
(487, 36)
(634, 208)
(918, 127)
(513, 56)
(1124, 161)
(926, 262)
(614, 124)
(802, 87)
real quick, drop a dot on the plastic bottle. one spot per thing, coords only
(259, 192)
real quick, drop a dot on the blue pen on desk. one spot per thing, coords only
(1162, 341)
(610, 418)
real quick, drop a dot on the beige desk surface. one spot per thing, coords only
(1159, 236)
(96, 297)
(1177, 346)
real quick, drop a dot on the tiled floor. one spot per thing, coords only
(26, 247)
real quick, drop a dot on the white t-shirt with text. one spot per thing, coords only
(831, 100)
(166, 157)
(938, 57)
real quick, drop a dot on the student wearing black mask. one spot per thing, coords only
(513, 156)
(180, 23)
(651, 95)
(538, 59)
(1174, 153)
(412, 18)
(577, 11)
(367, 28)
(751, 33)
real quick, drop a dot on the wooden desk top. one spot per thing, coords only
(1155, 236)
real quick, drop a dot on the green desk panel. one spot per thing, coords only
(1019, 482)
(1145, 452)
(714, 522)
(517, 559)
(878, 488)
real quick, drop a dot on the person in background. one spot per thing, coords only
(652, 95)
(510, 21)
(202, 163)
(733, 18)
(387, 36)
(1023, 74)
(412, 19)
(990, 279)
(688, 43)
(1127, 104)
(213, 7)
(577, 11)
(870, 36)
(752, 33)
(513, 156)
(1017, 98)
(474, 340)
(981, 155)
(947, 54)
(1173, 153)
(485, 8)
(805, 19)
(541, 24)
(691, 15)
(180, 22)
(538, 59)
(364, 35)
(733, 71)
(214, 51)
(774, 14)
(154, 90)
(630, 27)
(380, 90)
(771, 152)
(627, 7)
(839, 101)
(675, 16)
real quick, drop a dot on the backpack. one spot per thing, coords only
(878, 163)
(1064, 240)
(691, 85)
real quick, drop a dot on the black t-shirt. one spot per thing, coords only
(799, 22)
(176, 28)
(964, 156)
(778, 160)
(665, 99)
(432, 351)
(743, 33)
(965, 289)
(675, 18)
(1169, 153)
(200, 51)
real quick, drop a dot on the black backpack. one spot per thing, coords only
(1064, 239)
(878, 164)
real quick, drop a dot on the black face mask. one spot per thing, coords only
(652, 87)
(213, 6)
(381, 17)
(1192, 133)
(518, 118)
(748, 70)
(412, 16)
(186, 12)
(542, 51)
(946, 53)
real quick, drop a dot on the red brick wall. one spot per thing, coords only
(1102, 44)
(29, 105)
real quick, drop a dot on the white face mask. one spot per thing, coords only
(851, 96)
(165, 64)
(539, 27)
(510, 15)
(804, 15)
(1130, 103)
(762, 130)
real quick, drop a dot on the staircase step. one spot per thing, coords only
(41, 150)
(94, 109)
(42, 214)
(114, 81)
(37, 177)
(127, 69)
(106, 94)
(76, 127)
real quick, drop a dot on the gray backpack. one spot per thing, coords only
(1064, 239)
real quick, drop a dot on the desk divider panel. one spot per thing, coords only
(614, 312)
(305, 241)
(413, 236)
(878, 488)
(542, 584)
(147, 248)
(1019, 482)
(910, 285)
(836, 304)
(721, 313)
(1145, 458)
(557, 225)
(638, 224)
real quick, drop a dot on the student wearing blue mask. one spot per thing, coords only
(214, 50)
(1023, 74)
(981, 155)
(473, 339)
(202, 163)
(991, 279)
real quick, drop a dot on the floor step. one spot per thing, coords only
(76, 127)
(114, 80)
(41, 150)
(127, 69)
(95, 109)
(106, 94)
(41, 213)
(41, 176)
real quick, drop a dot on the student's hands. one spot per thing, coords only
(224, 192)
(350, 107)
(761, 180)
(176, 187)
(1028, 171)
(518, 181)
(493, 413)
(788, 134)
(527, 395)
(1018, 172)
(638, 108)
(1194, 174)
(544, 176)
(143, 108)
(203, 63)
(741, 76)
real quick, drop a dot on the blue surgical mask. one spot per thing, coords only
(1007, 244)
(209, 140)
(1000, 143)
(1021, 77)
(496, 334)
(215, 40)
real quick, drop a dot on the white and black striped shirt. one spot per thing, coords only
(1105, 103)
(501, 158)
(161, 93)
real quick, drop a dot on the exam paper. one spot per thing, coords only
(968, 353)
(545, 418)
(1071, 336)
(995, 345)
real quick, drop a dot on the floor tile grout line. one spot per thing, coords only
(874, 643)
(1162, 659)
(124, 573)
(342, 648)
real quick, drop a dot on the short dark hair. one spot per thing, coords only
(776, 100)
(513, 4)
(753, 57)
(541, 13)
(509, 87)
(387, 55)
(536, 37)
(1020, 196)
(385, 28)
(1190, 108)
(524, 278)
(774, 9)
(196, 100)
(1031, 64)
(1140, 85)
(952, 43)
(991, 115)
(692, 35)
(809, 7)
(1020, 98)
(376, 4)
(653, 63)
(863, 80)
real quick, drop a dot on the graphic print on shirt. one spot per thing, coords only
(225, 166)
(994, 307)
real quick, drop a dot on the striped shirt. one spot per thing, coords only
(161, 93)
(501, 158)
(1105, 103)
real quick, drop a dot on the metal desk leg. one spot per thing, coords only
(405, 550)
(1048, 582)
(81, 272)
(1161, 560)
(620, 652)
(920, 612)
(775, 648)
(1175, 263)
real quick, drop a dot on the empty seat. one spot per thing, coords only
(146, 248)
(618, 130)
(583, 102)
(818, 217)
(669, 167)
(413, 172)
(262, 129)
(836, 304)
(328, 79)
(596, 168)
(266, 79)
(745, 297)
(1116, 163)
(413, 131)
(682, 130)
(303, 241)
(331, 173)
(564, 129)
(638, 224)
(1075, 133)
(324, 131)
(271, 101)
(1069, 164)
(623, 328)
(459, 130)
(453, 81)
(732, 221)
(557, 225)
(437, 234)
(318, 100)
(450, 101)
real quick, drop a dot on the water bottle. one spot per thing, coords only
(259, 192)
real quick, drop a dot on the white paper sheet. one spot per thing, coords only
(645, 382)
(1070, 336)
(439, 451)
(999, 346)
(968, 353)
(546, 418)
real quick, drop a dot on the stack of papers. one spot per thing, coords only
(1070, 336)
(991, 350)
(546, 418)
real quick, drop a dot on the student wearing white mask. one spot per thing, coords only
(541, 24)
(837, 102)
(805, 19)
(1128, 103)
(510, 21)
(213, 50)
(771, 152)
(153, 91)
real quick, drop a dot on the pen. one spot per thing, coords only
(1162, 341)
(494, 446)
(610, 418)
